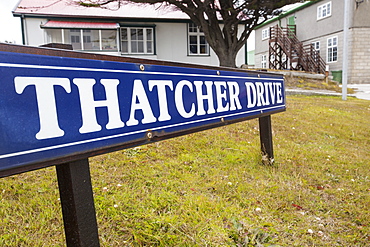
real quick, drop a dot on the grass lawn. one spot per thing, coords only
(210, 189)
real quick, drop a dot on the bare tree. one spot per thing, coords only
(219, 20)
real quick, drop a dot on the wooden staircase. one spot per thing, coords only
(287, 52)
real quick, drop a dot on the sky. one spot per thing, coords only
(10, 27)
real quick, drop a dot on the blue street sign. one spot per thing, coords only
(54, 107)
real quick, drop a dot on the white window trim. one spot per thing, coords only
(265, 33)
(63, 38)
(314, 45)
(264, 61)
(327, 49)
(198, 33)
(81, 35)
(320, 8)
(100, 41)
(82, 39)
(145, 40)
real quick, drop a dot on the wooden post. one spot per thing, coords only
(77, 201)
(266, 140)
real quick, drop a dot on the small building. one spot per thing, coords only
(156, 31)
(319, 26)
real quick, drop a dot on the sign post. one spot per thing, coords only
(60, 107)
(266, 140)
(77, 201)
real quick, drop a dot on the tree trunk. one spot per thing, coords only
(227, 59)
(223, 40)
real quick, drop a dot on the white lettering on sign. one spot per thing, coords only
(189, 99)
(88, 104)
(140, 101)
(207, 96)
(221, 96)
(262, 94)
(234, 91)
(179, 100)
(44, 86)
(162, 97)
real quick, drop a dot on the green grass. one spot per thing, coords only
(210, 189)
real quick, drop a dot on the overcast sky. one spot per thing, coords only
(10, 27)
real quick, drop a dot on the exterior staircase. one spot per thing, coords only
(287, 52)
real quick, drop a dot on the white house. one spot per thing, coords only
(137, 30)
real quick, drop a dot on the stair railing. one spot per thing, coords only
(302, 57)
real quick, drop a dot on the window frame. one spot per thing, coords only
(82, 36)
(332, 49)
(263, 61)
(324, 10)
(316, 46)
(198, 34)
(145, 39)
(265, 34)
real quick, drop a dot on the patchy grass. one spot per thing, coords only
(209, 188)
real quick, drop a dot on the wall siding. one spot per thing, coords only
(35, 35)
(359, 65)
(308, 26)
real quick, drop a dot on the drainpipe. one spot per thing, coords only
(23, 32)
(345, 49)
(246, 52)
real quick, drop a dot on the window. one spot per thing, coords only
(84, 39)
(109, 40)
(324, 11)
(316, 46)
(316, 50)
(91, 40)
(332, 55)
(54, 36)
(197, 43)
(264, 61)
(137, 40)
(75, 35)
(265, 33)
